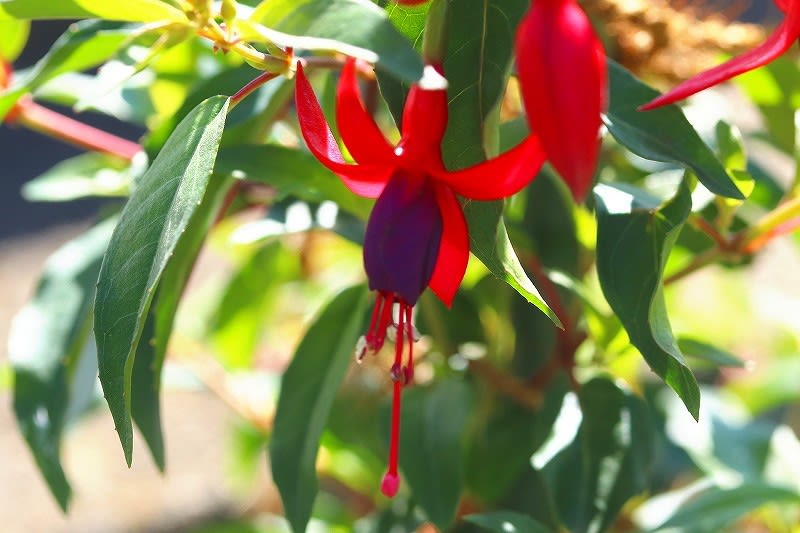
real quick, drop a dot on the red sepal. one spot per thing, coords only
(363, 180)
(451, 262)
(499, 177)
(776, 45)
(358, 130)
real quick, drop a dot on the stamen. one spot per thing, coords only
(410, 336)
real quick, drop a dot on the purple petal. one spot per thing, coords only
(403, 236)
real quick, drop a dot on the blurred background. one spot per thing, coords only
(205, 435)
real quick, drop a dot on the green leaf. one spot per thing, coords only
(477, 65)
(291, 171)
(90, 174)
(716, 508)
(707, 352)
(662, 134)
(431, 457)
(550, 223)
(152, 348)
(356, 28)
(15, 36)
(490, 243)
(608, 461)
(129, 10)
(84, 45)
(46, 341)
(634, 239)
(152, 224)
(502, 448)
(308, 389)
(506, 522)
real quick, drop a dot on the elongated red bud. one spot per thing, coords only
(562, 73)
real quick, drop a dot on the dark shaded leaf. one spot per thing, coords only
(634, 238)
(308, 390)
(506, 522)
(608, 461)
(433, 426)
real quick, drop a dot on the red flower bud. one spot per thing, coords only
(562, 73)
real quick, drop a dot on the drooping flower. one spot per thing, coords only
(416, 235)
(562, 73)
(779, 41)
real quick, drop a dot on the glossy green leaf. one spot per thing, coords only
(716, 508)
(129, 10)
(357, 28)
(152, 347)
(506, 522)
(433, 421)
(291, 171)
(608, 461)
(634, 238)
(91, 174)
(46, 341)
(150, 229)
(308, 389)
(84, 45)
(490, 243)
(662, 134)
(15, 36)
(477, 65)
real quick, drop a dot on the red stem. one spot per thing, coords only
(257, 82)
(54, 124)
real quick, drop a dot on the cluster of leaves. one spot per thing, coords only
(516, 425)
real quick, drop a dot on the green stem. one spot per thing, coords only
(782, 214)
(434, 40)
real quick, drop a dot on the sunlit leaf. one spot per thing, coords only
(634, 238)
(662, 134)
(129, 10)
(150, 229)
(46, 342)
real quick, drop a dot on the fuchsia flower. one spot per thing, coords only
(562, 73)
(416, 235)
(776, 45)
